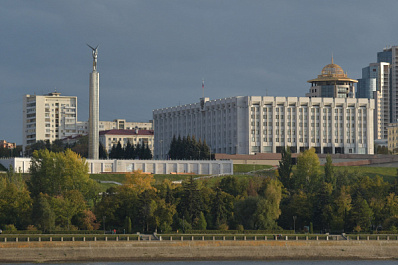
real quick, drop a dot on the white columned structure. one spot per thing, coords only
(93, 137)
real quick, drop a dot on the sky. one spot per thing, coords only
(154, 53)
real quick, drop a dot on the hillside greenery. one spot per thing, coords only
(59, 195)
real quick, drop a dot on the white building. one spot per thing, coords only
(48, 117)
(110, 138)
(207, 167)
(118, 124)
(256, 124)
(375, 84)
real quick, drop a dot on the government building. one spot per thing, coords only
(263, 124)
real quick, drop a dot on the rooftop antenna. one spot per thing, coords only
(203, 87)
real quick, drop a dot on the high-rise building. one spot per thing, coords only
(390, 55)
(48, 117)
(375, 84)
(257, 124)
(332, 83)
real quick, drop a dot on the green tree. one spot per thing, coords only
(127, 225)
(55, 173)
(201, 223)
(285, 169)
(43, 215)
(329, 171)
(191, 203)
(103, 154)
(361, 215)
(307, 173)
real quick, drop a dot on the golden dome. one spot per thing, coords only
(333, 70)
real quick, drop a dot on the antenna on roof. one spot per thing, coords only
(203, 87)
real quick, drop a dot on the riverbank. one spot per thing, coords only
(196, 250)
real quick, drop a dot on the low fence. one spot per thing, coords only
(157, 238)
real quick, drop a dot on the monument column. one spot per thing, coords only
(93, 136)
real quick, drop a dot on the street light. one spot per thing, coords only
(104, 217)
(294, 223)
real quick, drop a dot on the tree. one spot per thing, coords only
(15, 201)
(361, 215)
(307, 173)
(103, 154)
(329, 171)
(268, 211)
(43, 215)
(191, 204)
(139, 181)
(55, 173)
(285, 168)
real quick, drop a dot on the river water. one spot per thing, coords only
(301, 262)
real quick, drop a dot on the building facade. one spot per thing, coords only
(375, 84)
(207, 167)
(392, 130)
(48, 117)
(332, 83)
(390, 55)
(7, 145)
(118, 124)
(110, 138)
(256, 124)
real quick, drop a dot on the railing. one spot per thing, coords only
(174, 237)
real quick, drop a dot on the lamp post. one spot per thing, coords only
(294, 223)
(104, 217)
(183, 224)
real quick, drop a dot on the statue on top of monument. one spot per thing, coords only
(95, 55)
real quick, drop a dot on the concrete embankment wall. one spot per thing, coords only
(196, 250)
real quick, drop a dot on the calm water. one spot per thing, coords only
(301, 262)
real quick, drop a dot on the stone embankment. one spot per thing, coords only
(196, 250)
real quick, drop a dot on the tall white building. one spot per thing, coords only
(256, 124)
(375, 84)
(48, 117)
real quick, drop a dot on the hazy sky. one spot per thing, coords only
(154, 54)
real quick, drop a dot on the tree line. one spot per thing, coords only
(6, 152)
(140, 151)
(188, 148)
(59, 195)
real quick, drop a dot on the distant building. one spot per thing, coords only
(332, 83)
(375, 84)
(392, 129)
(5, 144)
(48, 117)
(118, 124)
(390, 55)
(110, 138)
(256, 124)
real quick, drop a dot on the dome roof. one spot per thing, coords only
(332, 70)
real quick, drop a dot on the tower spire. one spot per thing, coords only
(203, 87)
(332, 58)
